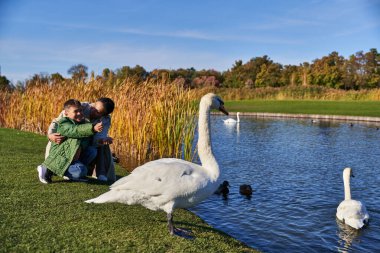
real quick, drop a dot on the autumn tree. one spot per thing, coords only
(5, 84)
(372, 68)
(328, 71)
(137, 72)
(78, 72)
(56, 78)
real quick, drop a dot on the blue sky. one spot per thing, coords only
(45, 36)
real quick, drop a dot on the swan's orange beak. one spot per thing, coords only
(223, 110)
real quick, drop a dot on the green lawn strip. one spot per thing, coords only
(348, 108)
(53, 218)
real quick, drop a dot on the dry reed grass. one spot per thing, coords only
(151, 120)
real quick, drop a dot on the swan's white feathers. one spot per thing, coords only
(352, 213)
(161, 176)
(152, 184)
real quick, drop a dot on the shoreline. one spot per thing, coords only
(307, 116)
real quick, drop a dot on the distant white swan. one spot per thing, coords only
(231, 120)
(351, 212)
(169, 183)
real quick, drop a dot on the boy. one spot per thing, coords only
(64, 159)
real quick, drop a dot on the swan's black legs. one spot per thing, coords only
(170, 223)
(177, 231)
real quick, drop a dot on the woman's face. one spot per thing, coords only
(97, 110)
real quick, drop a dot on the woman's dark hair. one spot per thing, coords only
(108, 104)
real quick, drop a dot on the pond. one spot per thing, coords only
(295, 168)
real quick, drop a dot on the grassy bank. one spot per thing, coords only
(53, 218)
(349, 108)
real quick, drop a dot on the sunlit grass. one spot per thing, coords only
(54, 218)
(293, 93)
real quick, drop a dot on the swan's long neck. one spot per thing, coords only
(346, 182)
(238, 119)
(204, 141)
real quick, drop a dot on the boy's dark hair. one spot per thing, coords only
(71, 102)
(108, 104)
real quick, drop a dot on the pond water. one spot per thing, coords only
(295, 168)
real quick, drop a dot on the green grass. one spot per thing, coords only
(53, 218)
(349, 108)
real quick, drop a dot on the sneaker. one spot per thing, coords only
(102, 178)
(48, 176)
(41, 174)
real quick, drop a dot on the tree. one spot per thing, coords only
(106, 73)
(78, 72)
(268, 72)
(235, 77)
(5, 84)
(269, 75)
(328, 71)
(38, 80)
(56, 78)
(372, 68)
(289, 75)
(350, 75)
(127, 72)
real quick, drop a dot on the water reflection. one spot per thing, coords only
(347, 236)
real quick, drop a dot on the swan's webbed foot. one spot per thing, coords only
(187, 234)
(184, 233)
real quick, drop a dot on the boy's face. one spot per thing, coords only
(75, 113)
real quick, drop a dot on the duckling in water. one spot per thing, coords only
(223, 189)
(245, 189)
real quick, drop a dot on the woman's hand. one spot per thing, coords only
(56, 138)
(98, 127)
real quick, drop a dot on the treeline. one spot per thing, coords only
(360, 71)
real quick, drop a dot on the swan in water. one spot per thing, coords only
(232, 121)
(169, 183)
(351, 212)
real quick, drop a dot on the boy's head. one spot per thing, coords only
(73, 110)
(102, 107)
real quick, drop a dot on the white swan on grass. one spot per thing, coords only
(231, 120)
(351, 212)
(169, 183)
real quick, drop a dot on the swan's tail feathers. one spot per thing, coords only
(357, 224)
(110, 196)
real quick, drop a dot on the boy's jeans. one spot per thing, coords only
(76, 170)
